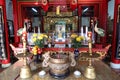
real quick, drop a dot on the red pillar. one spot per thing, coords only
(115, 63)
(6, 62)
(15, 20)
(103, 20)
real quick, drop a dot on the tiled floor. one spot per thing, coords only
(13, 59)
(1, 69)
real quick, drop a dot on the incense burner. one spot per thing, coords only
(59, 63)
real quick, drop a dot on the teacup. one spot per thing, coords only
(42, 73)
(77, 74)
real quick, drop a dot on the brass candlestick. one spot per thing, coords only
(25, 70)
(90, 71)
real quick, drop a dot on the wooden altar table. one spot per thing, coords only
(103, 72)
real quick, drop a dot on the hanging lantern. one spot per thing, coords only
(45, 5)
(73, 4)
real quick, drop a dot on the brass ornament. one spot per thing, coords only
(90, 70)
(25, 71)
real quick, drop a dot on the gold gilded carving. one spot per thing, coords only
(61, 14)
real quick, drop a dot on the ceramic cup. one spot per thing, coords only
(42, 73)
(77, 74)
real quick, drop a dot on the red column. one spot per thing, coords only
(115, 62)
(103, 20)
(15, 20)
(6, 62)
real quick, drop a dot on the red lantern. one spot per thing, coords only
(73, 4)
(45, 5)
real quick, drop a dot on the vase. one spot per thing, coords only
(76, 52)
(36, 58)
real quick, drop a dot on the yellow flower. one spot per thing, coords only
(40, 37)
(34, 39)
(34, 35)
(74, 35)
(38, 40)
(35, 47)
(45, 36)
(82, 38)
(78, 39)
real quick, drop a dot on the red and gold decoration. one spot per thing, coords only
(73, 4)
(45, 5)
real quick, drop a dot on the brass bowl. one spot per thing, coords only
(54, 59)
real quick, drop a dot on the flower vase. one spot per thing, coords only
(36, 60)
(38, 56)
(76, 52)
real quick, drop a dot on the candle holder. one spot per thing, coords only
(25, 71)
(90, 70)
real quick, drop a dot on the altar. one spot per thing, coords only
(103, 72)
